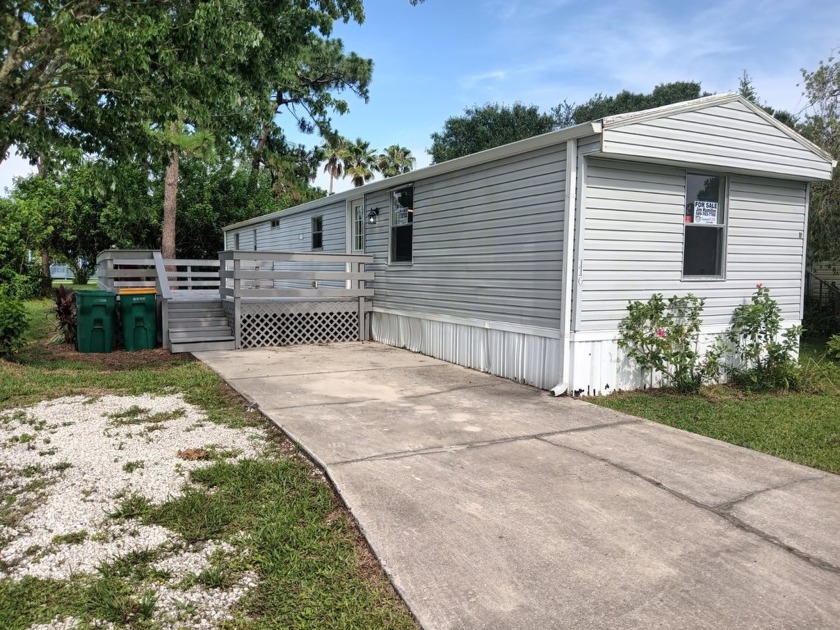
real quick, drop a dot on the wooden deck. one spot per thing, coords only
(249, 299)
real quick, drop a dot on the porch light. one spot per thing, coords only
(373, 215)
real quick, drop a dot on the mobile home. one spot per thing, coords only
(520, 260)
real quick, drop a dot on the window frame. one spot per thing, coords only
(236, 241)
(723, 227)
(357, 226)
(319, 221)
(275, 223)
(392, 228)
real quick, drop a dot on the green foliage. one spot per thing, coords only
(22, 230)
(833, 348)
(396, 160)
(13, 326)
(485, 127)
(663, 336)
(822, 126)
(21, 286)
(600, 106)
(360, 162)
(765, 356)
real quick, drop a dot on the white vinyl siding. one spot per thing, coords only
(729, 137)
(634, 238)
(293, 233)
(487, 243)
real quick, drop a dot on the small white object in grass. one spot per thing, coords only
(98, 438)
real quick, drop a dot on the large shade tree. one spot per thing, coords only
(485, 127)
(821, 125)
(165, 79)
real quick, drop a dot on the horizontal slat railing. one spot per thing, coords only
(247, 274)
(120, 268)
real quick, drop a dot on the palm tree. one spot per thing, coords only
(335, 152)
(360, 162)
(395, 161)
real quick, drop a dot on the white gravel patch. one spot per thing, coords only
(199, 607)
(110, 457)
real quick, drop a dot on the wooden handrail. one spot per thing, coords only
(162, 276)
(239, 272)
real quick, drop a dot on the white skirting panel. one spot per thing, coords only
(599, 367)
(525, 358)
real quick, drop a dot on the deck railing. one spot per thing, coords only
(258, 276)
(246, 274)
(121, 268)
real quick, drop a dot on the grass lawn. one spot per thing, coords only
(802, 426)
(313, 567)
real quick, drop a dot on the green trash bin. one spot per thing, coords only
(95, 321)
(139, 315)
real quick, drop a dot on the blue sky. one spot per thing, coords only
(433, 60)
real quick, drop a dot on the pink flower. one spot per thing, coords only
(661, 332)
(759, 285)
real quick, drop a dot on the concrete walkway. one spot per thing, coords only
(494, 505)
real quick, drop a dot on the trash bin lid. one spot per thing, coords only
(137, 290)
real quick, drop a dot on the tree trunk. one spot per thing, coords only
(170, 205)
(46, 279)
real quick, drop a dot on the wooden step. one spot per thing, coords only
(195, 322)
(196, 312)
(201, 346)
(200, 331)
(179, 336)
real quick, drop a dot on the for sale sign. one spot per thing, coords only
(706, 212)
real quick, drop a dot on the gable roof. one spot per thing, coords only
(618, 120)
(608, 125)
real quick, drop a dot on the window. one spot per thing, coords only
(275, 223)
(236, 241)
(402, 224)
(255, 240)
(705, 223)
(317, 232)
(358, 219)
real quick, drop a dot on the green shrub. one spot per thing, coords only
(663, 336)
(21, 286)
(765, 358)
(13, 326)
(833, 348)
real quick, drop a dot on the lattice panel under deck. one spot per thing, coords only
(265, 325)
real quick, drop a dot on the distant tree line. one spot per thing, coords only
(483, 127)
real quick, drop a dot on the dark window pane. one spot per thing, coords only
(401, 243)
(317, 232)
(402, 220)
(703, 251)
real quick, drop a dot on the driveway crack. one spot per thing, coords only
(721, 512)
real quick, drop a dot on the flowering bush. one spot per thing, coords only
(663, 336)
(766, 359)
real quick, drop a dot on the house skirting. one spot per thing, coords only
(522, 354)
(268, 323)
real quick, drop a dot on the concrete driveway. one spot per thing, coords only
(494, 505)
